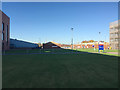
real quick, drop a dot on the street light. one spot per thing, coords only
(72, 38)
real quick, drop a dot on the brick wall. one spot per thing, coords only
(5, 31)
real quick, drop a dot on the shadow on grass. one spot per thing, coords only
(49, 51)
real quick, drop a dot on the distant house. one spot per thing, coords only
(18, 44)
(65, 46)
(51, 45)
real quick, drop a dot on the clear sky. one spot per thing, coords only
(41, 21)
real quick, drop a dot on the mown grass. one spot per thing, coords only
(58, 51)
(60, 71)
(96, 51)
(38, 51)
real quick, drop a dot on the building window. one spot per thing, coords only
(2, 36)
(2, 26)
(7, 33)
(54, 46)
(2, 46)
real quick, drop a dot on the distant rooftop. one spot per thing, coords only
(4, 14)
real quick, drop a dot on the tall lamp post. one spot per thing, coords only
(99, 42)
(72, 38)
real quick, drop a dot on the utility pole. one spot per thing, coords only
(72, 38)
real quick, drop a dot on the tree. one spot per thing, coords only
(39, 44)
(91, 41)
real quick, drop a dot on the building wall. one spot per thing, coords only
(0, 32)
(50, 45)
(90, 45)
(114, 35)
(14, 43)
(5, 31)
(65, 46)
(75, 46)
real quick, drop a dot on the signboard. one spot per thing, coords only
(101, 47)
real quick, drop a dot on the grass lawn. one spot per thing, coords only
(38, 51)
(59, 51)
(96, 50)
(60, 71)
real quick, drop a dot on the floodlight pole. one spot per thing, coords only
(72, 38)
(99, 42)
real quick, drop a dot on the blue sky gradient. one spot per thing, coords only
(43, 22)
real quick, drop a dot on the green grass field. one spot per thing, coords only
(96, 50)
(38, 51)
(59, 51)
(60, 71)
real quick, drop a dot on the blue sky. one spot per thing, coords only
(43, 22)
